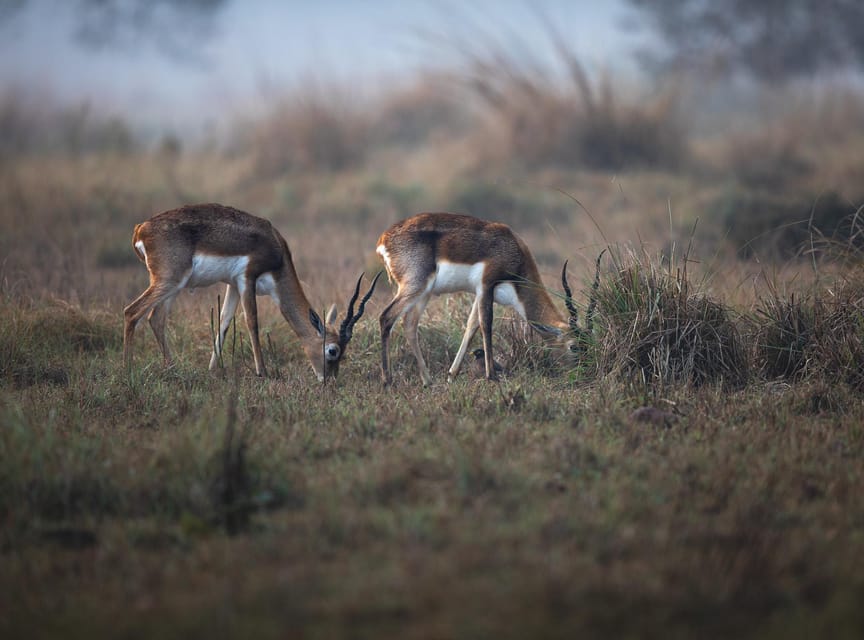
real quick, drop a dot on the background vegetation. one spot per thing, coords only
(697, 473)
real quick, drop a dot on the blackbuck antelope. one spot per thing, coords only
(437, 253)
(200, 245)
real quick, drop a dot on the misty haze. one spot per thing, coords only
(634, 409)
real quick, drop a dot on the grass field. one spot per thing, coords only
(699, 475)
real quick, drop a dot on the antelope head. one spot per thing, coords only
(327, 352)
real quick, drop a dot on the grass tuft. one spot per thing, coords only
(818, 336)
(661, 331)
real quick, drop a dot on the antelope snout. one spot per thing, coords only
(331, 352)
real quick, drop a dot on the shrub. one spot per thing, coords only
(505, 203)
(783, 331)
(775, 226)
(32, 124)
(312, 130)
(659, 331)
(559, 115)
(408, 116)
(818, 337)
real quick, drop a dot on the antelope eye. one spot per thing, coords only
(332, 352)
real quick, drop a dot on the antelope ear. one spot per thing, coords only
(316, 323)
(331, 314)
(547, 329)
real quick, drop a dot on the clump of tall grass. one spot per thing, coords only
(783, 329)
(784, 226)
(660, 329)
(817, 336)
(561, 115)
(308, 130)
(31, 124)
(507, 203)
(407, 116)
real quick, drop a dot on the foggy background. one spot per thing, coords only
(747, 115)
(181, 70)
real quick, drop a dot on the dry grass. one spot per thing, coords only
(662, 330)
(533, 120)
(818, 336)
(178, 503)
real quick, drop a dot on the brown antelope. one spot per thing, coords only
(200, 245)
(438, 253)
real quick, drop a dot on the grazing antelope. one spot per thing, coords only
(200, 245)
(437, 253)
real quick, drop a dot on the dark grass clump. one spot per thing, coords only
(819, 337)
(784, 328)
(552, 112)
(660, 331)
(839, 348)
(768, 225)
(37, 341)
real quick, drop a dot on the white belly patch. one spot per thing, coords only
(451, 277)
(209, 269)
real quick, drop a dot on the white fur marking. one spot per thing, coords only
(140, 246)
(208, 269)
(265, 285)
(385, 256)
(452, 276)
(505, 293)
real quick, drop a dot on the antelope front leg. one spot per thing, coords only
(158, 316)
(399, 306)
(229, 307)
(250, 308)
(153, 296)
(485, 303)
(411, 320)
(470, 330)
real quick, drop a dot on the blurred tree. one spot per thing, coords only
(772, 40)
(174, 27)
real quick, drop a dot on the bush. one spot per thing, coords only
(558, 115)
(308, 131)
(783, 227)
(818, 337)
(34, 125)
(504, 203)
(783, 331)
(659, 331)
(407, 117)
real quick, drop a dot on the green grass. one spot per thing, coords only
(536, 507)
(184, 503)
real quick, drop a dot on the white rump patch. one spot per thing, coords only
(140, 246)
(381, 250)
